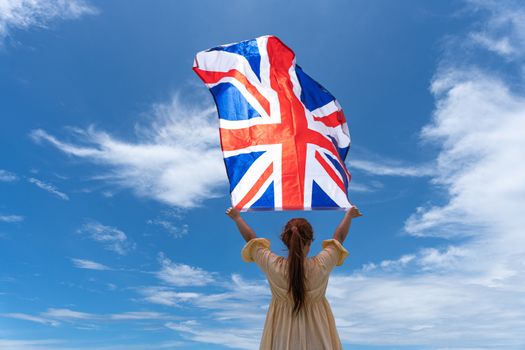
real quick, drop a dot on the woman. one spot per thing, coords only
(299, 316)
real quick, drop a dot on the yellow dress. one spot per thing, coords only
(314, 327)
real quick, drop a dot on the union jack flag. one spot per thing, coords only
(283, 136)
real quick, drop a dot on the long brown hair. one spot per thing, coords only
(297, 233)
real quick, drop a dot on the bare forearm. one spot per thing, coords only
(342, 229)
(245, 230)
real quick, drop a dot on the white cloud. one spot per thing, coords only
(167, 296)
(24, 14)
(32, 318)
(357, 187)
(231, 338)
(234, 300)
(243, 300)
(433, 260)
(175, 231)
(11, 218)
(388, 167)
(49, 188)
(112, 238)
(369, 186)
(390, 265)
(31, 344)
(176, 159)
(58, 344)
(479, 123)
(181, 274)
(504, 30)
(56, 317)
(68, 314)
(138, 315)
(6, 176)
(88, 264)
(501, 46)
(448, 259)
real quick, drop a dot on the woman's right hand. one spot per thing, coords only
(233, 213)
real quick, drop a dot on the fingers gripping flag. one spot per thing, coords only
(284, 137)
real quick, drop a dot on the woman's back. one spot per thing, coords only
(314, 326)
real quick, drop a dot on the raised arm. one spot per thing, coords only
(245, 230)
(342, 230)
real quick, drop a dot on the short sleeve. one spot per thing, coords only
(251, 248)
(333, 253)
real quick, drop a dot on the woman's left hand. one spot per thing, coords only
(354, 212)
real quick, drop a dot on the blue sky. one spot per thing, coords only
(113, 189)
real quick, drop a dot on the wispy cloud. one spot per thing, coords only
(139, 315)
(24, 14)
(181, 274)
(225, 299)
(389, 167)
(234, 311)
(234, 299)
(6, 176)
(174, 231)
(88, 264)
(60, 344)
(57, 317)
(167, 296)
(426, 259)
(369, 186)
(30, 344)
(176, 159)
(49, 188)
(11, 218)
(504, 30)
(112, 238)
(229, 337)
(68, 314)
(32, 318)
